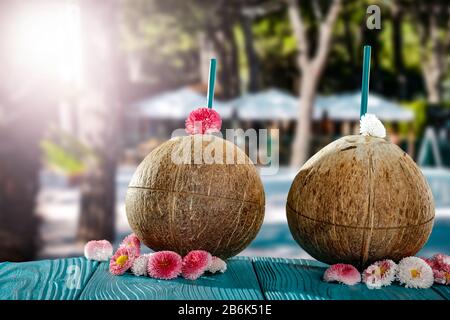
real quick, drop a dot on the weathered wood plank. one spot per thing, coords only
(61, 279)
(444, 291)
(292, 279)
(239, 282)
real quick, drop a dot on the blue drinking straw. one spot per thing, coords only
(365, 80)
(212, 79)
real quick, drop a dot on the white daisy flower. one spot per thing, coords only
(380, 274)
(139, 267)
(370, 125)
(217, 265)
(414, 272)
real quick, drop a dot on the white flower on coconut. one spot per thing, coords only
(370, 125)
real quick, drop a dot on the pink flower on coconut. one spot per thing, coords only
(164, 265)
(195, 263)
(121, 261)
(217, 265)
(100, 250)
(132, 243)
(343, 273)
(380, 274)
(203, 120)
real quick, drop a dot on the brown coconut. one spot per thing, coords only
(358, 200)
(214, 204)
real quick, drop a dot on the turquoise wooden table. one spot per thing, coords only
(246, 279)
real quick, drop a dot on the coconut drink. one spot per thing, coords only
(196, 192)
(361, 198)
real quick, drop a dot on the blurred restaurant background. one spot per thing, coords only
(89, 88)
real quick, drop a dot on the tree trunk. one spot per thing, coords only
(228, 74)
(223, 73)
(432, 76)
(435, 41)
(348, 38)
(397, 45)
(303, 134)
(19, 183)
(100, 112)
(206, 52)
(432, 66)
(25, 100)
(252, 58)
(311, 71)
(233, 61)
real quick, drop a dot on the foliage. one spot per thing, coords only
(419, 108)
(65, 154)
(60, 160)
(276, 49)
(165, 35)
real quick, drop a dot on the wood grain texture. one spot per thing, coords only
(444, 291)
(291, 279)
(358, 200)
(238, 282)
(210, 204)
(61, 279)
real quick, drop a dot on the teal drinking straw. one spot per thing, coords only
(365, 80)
(212, 79)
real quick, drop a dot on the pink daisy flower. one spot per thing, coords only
(203, 120)
(132, 243)
(195, 263)
(217, 265)
(343, 273)
(442, 275)
(430, 262)
(121, 261)
(164, 265)
(442, 259)
(440, 264)
(380, 274)
(99, 250)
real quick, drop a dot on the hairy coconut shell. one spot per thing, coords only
(218, 207)
(358, 200)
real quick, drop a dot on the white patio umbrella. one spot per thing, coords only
(347, 107)
(177, 104)
(271, 104)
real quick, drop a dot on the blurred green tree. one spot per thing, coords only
(173, 40)
(431, 20)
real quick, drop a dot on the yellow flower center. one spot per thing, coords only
(164, 264)
(122, 260)
(415, 273)
(383, 270)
